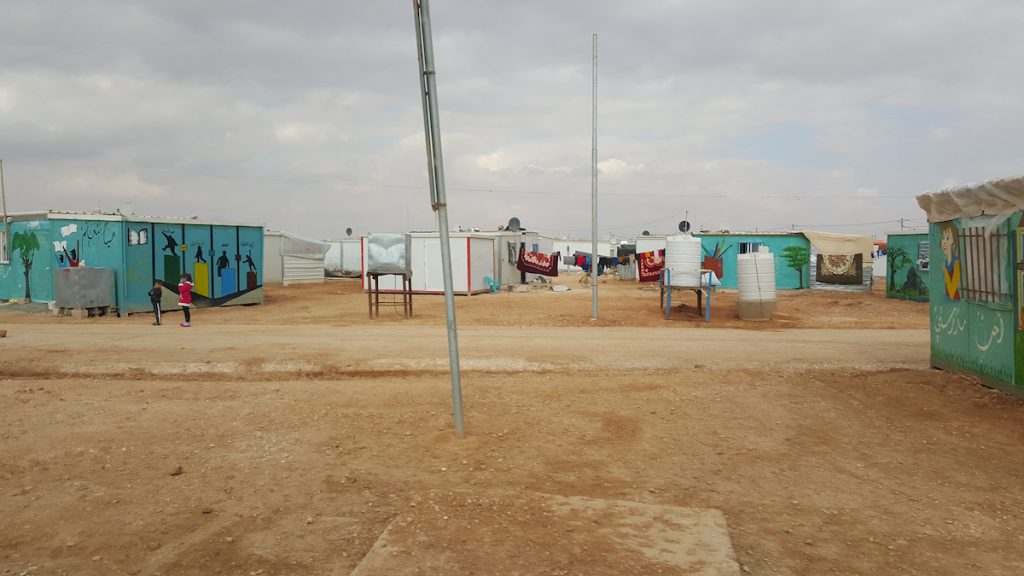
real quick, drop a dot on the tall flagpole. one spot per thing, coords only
(438, 201)
(593, 192)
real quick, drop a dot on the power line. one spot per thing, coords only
(480, 189)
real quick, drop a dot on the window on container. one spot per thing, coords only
(749, 247)
(983, 257)
(923, 255)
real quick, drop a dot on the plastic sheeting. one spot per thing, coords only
(996, 197)
(292, 245)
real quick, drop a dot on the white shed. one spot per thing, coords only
(649, 243)
(506, 252)
(344, 257)
(290, 259)
(472, 260)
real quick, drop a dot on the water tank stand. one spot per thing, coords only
(373, 294)
(667, 288)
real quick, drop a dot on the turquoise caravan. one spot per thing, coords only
(976, 280)
(907, 258)
(721, 248)
(225, 260)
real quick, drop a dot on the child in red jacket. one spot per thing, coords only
(185, 298)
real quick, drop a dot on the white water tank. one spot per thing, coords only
(682, 258)
(755, 277)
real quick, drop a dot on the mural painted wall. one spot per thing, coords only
(970, 331)
(225, 261)
(30, 271)
(720, 251)
(907, 266)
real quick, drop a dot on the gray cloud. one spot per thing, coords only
(307, 116)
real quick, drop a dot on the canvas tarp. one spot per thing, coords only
(995, 197)
(830, 244)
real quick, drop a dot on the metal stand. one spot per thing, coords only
(667, 288)
(373, 294)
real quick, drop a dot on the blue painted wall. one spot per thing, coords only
(906, 268)
(139, 252)
(41, 264)
(728, 245)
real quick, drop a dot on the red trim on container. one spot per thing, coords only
(362, 261)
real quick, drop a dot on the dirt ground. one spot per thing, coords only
(283, 438)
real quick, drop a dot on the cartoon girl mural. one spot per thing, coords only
(949, 240)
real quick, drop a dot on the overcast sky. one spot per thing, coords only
(306, 116)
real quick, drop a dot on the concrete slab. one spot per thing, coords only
(465, 533)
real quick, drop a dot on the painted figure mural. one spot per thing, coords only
(949, 240)
(222, 262)
(170, 244)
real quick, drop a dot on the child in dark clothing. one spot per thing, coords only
(155, 295)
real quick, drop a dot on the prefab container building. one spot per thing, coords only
(291, 259)
(649, 243)
(506, 252)
(225, 260)
(720, 250)
(476, 256)
(473, 259)
(976, 287)
(907, 265)
(344, 258)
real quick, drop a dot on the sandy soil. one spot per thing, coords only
(283, 438)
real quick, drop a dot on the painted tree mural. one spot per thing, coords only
(796, 257)
(897, 260)
(26, 244)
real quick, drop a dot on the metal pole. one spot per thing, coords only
(5, 256)
(438, 201)
(593, 192)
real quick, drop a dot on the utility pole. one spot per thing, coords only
(438, 200)
(5, 254)
(594, 258)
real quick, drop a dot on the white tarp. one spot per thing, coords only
(996, 197)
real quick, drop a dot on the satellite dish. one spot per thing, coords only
(513, 224)
(348, 231)
(684, 226)
(645, 233)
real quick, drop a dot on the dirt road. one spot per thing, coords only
(282, 439)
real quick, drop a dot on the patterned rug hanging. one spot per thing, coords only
(840, 269)
(537, 262)
(649, 265)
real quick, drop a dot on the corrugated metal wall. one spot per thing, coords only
(299, 269)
